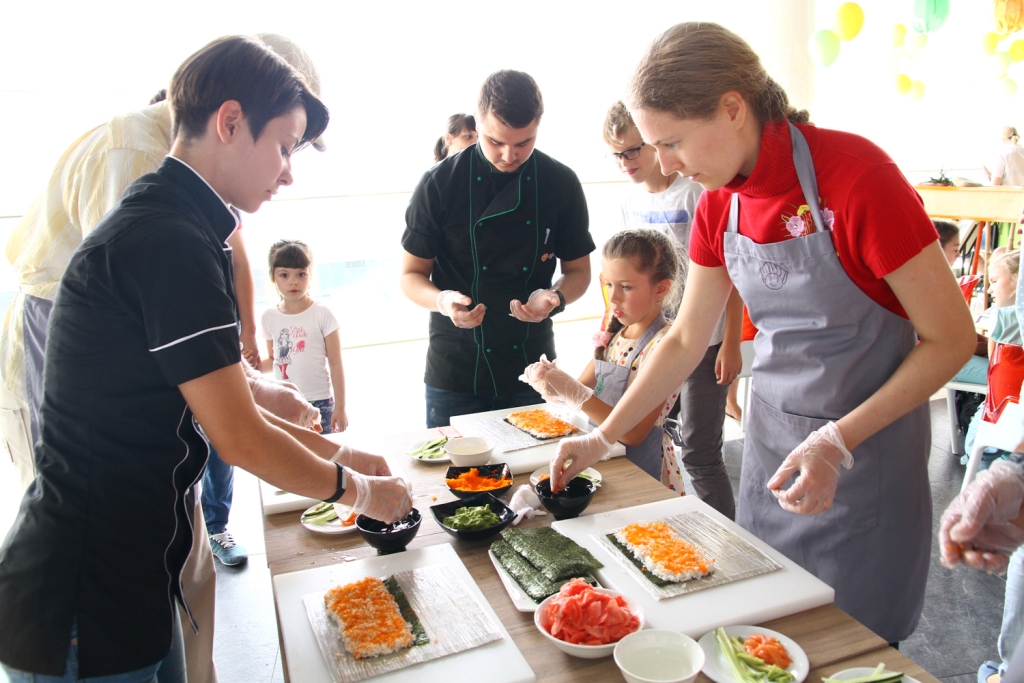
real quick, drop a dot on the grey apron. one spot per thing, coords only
(612, 380)
(822, 349)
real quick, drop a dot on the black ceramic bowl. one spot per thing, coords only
(569, 502)
(497, 471)
(389, 538)
(504, 513)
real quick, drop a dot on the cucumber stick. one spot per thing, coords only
(745, 667)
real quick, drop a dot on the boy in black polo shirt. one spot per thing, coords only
(143, 347)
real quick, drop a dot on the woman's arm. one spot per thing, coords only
(926, 289)
(267, 364)
(339, 421)
(729, 362)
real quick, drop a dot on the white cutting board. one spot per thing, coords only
(306, 664)
(750, 601)
(275, 500)
(526, 459)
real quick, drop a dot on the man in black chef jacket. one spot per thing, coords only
(483, 231)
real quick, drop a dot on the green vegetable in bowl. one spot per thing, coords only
(470, 518)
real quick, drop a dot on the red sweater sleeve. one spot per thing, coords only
(705, 249)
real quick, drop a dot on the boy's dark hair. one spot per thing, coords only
(242, 69)
(512, 96)
(289, 254)
(947, 232)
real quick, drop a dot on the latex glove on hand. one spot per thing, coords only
(385, 499)
(576, 454)
(362, 462)
(525, 504)
(536, 308)
(817, 460)
(284, 401)
(556, 386)
(977, 528)
(453, 304)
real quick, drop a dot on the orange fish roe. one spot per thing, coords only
(663, 552)
(369, 619)
(472, 481)
(541, 424)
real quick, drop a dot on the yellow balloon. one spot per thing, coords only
(1000, 62)
(1008, 87)
(989, 43)
(899, 32)
(903, 84)
(915, 42)
(849, 20)
(1017, 51)
(916, 91)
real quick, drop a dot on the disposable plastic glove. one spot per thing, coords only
(453, 304)
(555, 385)
(525, 504)
(536, 308)
(977, 527)
(362, 462)
(284, 401)
(817, 460)
(385, 499)
(575, 455)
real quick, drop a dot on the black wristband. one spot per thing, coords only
(340, 490)
(561, 304)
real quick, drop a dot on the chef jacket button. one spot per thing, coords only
(488, 350)
(527, 177)
(480, 224)
(479, 178)
(484, 268)
(527, 222)
(525, 268)
(515, 346)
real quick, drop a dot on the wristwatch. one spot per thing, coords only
(342, 484)
(561, 304)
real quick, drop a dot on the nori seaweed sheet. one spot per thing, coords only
(419, 635)
(656, 580)
(554, 555)
(535, 584)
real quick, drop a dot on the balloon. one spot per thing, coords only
(916, 90)
(989, 43)
(1017, 51)
(1008, 87)
(1009, 16)
(849, 20)
(902, 84)
(824, 47)
(930, 15)
(915, 42)
(899, 32)
(1000, 62)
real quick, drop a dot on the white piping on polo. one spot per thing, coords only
(238, 221)
(194, 334)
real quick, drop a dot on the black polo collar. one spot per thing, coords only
(223, 218)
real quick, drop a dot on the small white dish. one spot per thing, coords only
(469, 451)
(658, 656)
(443, 457)
(862, 671)
(586, 651)
(717, 668)
(590, 473)
(334, 526)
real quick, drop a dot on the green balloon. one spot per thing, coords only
(930, 15)
(824, 47)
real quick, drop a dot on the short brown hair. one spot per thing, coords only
(289, 254)
(617, 123)
(947, 232)
(246, 70)
(512, 96)
(689, 67)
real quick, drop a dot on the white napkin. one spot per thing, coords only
(525, 504)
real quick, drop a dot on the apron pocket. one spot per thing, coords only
(775, 434)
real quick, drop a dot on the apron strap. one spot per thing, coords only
(646, 337)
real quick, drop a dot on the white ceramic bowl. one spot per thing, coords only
(469, 451)
(584, 651)
(657, 656)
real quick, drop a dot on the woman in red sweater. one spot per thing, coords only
(839, 266)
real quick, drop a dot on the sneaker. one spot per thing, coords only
(227, 550)
(988, 673)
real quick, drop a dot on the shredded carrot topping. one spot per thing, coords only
(661, 545)
(770, 650)
(370, 621)
(472, 481)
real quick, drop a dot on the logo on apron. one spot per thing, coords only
(773, 275)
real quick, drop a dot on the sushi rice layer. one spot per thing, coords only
(368, 616)
(663, 552)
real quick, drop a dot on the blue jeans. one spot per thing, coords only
(170, 669)
(442, 404)
(218, 485)
(326, 408)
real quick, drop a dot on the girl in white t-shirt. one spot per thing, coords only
(302, 336)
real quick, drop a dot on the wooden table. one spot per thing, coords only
(831, 638)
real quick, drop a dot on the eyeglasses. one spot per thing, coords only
(629, 154)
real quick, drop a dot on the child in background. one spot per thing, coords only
(640, 269)
(302, 336)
